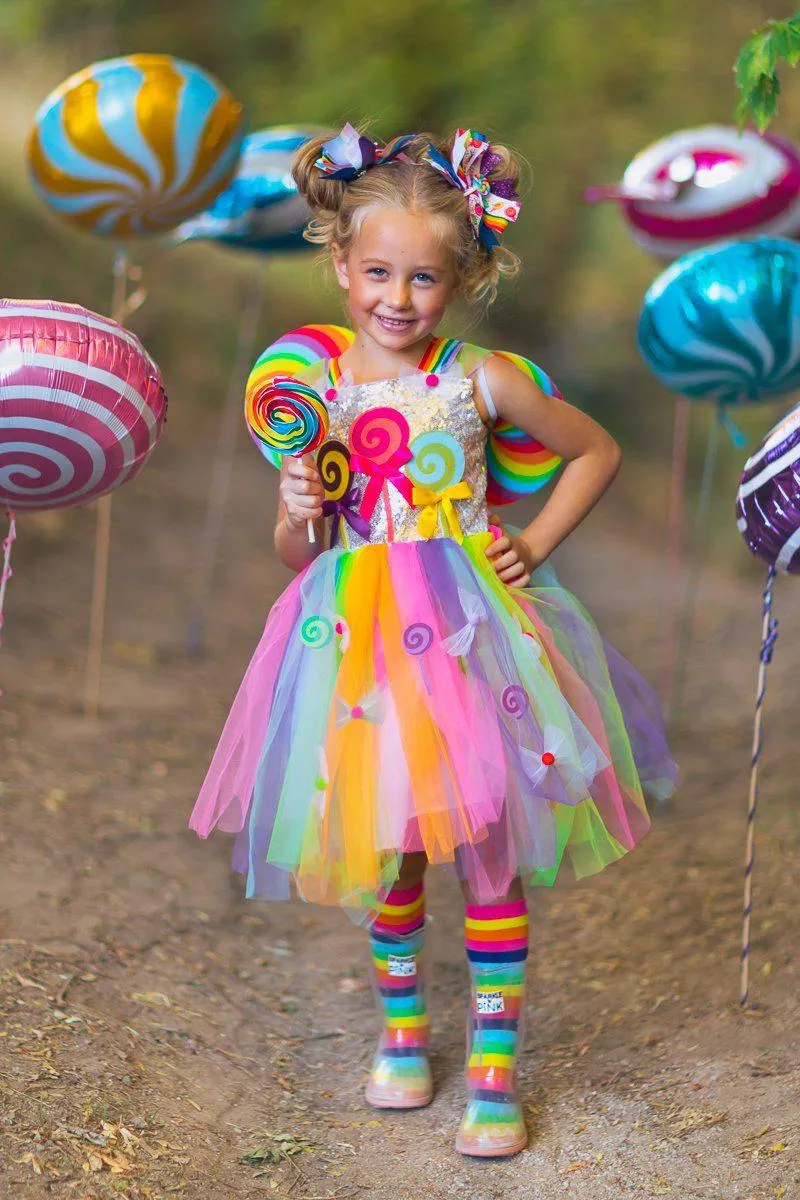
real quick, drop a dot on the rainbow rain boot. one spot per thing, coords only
(401, 1074)
(497, 946)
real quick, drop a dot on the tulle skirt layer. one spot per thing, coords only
(403, 699)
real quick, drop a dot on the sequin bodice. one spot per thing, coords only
(405, 459)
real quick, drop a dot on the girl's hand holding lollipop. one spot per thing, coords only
(289, 418)
(302, 495)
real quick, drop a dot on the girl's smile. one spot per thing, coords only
(399, 278)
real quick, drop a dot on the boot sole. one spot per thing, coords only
(491, 1151)
(421, 1102)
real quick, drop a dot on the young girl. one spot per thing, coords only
(413, 699)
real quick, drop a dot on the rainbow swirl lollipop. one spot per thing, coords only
(292, 353)
(133, 146)
(517, 464)
(285, 415)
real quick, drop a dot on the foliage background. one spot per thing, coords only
(576, 87)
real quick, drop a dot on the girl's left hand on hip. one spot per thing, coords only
(510, 556)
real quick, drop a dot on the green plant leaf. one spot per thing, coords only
(764, 101)
(792, 53)
(756, 65)
(757, 57)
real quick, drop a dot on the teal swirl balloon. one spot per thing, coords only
(723, 324)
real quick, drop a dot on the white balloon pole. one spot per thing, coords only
(222, 466)
(5, 564)
(675, 547)
(699, 544)
(121, 307)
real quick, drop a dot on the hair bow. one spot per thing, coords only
(350, 154)
(491, 205)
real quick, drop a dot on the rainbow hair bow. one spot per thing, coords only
(491, 205)
(350, 154)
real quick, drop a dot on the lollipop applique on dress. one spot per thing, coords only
(342, 496)
(379, 449)
(437, 472)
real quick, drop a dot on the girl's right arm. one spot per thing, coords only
(301, 498)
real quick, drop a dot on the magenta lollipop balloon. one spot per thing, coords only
(82, 405)
(768, 500)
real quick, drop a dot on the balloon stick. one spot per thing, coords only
(94, 658)
(5, 569)
(675, 546)
(223, 466)
(769, 633)
(699, 543)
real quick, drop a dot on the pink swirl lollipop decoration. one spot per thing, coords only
(379, 448)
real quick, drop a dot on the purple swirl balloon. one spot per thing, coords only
(515, 700)
(768, 500)
(417, 638)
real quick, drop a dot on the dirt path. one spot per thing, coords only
(156, 1029)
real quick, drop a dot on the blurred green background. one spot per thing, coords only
(576, 87)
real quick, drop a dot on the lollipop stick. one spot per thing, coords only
(308, 459)
(94, 657)
(769, 632)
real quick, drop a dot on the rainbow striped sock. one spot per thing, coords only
(401, 1074)
(496, 939)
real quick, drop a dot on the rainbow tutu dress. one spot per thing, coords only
(403, 699)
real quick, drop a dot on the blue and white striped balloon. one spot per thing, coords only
(261, 208)
(723, 324)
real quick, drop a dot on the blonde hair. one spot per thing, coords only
(339, 208)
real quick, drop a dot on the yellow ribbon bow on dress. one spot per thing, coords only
(429, 501)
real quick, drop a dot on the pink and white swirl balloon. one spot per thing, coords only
(709, 184)
(82, 405)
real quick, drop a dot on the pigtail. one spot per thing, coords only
(323, 194)
(481, 266)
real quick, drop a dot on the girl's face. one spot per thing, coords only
(398, 276)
